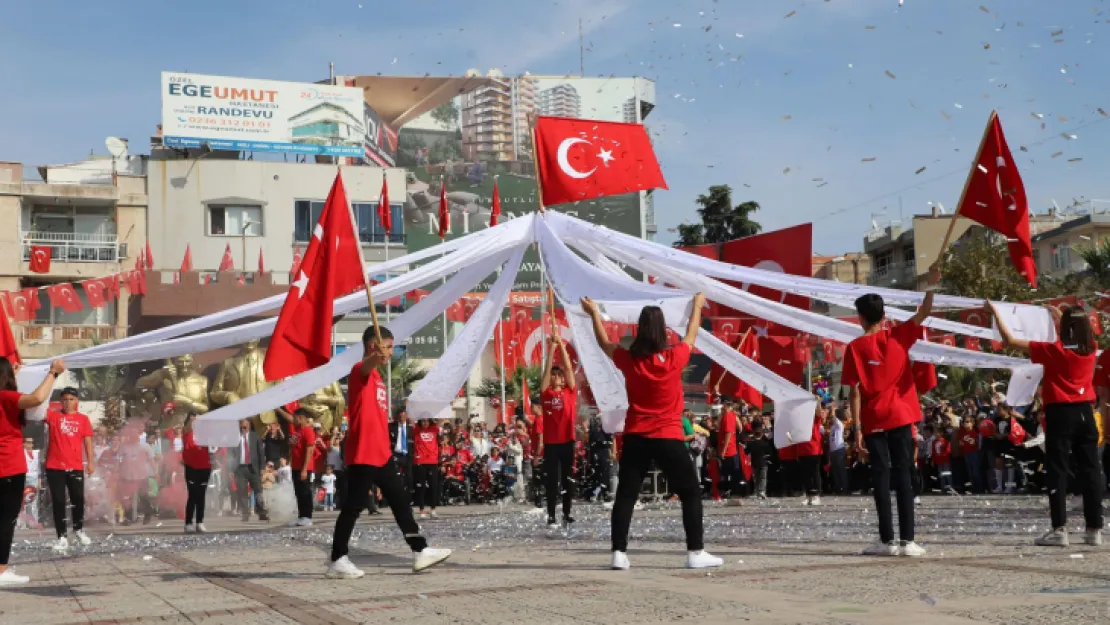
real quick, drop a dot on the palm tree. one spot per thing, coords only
(1097, 258)
(106, 384)
(405, 374)
(490, 388)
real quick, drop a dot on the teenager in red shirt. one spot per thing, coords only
(969, 449)
(1068, 392)
(809, 460)
(302, 453)
(198, 468)
(942, 460)
(369, 460)
(536, 435)
(727, 451)
(426, 470)
(13, 462)
(560, 409)
(69, 456)
(885, 404)
(653, 426)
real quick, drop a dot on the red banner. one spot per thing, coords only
(787, 251)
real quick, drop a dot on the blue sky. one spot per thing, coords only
(77, 72)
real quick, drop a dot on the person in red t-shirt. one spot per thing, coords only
(69, 456)
(1068, 392)
(727, 451)
(198, 468)
(536, 433)
(13, 462)
(884, 402)
(425, 472)
(969, 450)
(941, 453)
(560, 410)
(369, 460)
(302, 453)
(653, 425)
(809, 460)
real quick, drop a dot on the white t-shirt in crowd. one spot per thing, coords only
(495, 465)
(836, 438)
(329, 483)
(285, 474)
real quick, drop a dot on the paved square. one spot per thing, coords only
(783, 564)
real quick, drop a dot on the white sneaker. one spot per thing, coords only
(1093, 538)
(423, 514)
(639, 506)
(433, 514)
(201, 529)
(61, 545)
(815, 501)
(879, 548)
(83, 538)
(805, 501)
(9, 578)
(911, 549)
(917, 501)
(702, 560)
(620, 561)
(1053, 538)
(428, 558)
(190, 528)
(343, 568)
(303, 522)
(293, 523)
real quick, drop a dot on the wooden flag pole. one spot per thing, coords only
(739, 346)
(365, 277)
(536, 168)
(942, 253)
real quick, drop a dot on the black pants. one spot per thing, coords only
(302, 489)
(558, 467)
(810, 469)
(891, 457)
(537, 481)
(1070, 429)
(790, 478)
(730, 476)
(838, 467)
(59, 482)
(11, 503)
(426, 478)
(246, 474)
(599, 460)
(196, 485)
(340, 487)
(670, 457)
(404, 469)
(389, 480)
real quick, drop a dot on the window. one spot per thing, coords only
(1061, 256)
(306, 214)
(235, 221)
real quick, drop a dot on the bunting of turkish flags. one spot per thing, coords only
(98, 292)
(833, 350)
(972, 343)
(136, 282)
(974, 317)
(7, 340)
(64, 296)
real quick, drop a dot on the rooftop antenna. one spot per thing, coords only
(117, 148)
(581, 52)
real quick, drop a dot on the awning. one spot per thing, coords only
(401, 99)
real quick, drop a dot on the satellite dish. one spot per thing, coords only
(116, 147)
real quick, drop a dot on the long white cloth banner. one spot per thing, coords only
(217, 428)
(432, 397)
(395, 286)
(474, 245)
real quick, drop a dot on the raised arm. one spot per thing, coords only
(568, 369)
(590, 307)
(694, 324)
(927, 305)
(42, 393)
(545, 381)
(1007, 338)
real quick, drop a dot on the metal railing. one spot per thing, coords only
(900, 274)
(51, 334)
(73, 247)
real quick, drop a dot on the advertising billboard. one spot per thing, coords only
(486, 132)
(262, 115)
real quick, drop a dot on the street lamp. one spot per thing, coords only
(243, 236)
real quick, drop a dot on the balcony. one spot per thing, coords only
(73, 247)
(58, 334)
(896, 275)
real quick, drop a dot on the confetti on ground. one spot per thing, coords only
(1103, 113)
(1069, 137)
(945, 116)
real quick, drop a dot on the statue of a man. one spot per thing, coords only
(241, 376)
(326, 405)
(178, 383)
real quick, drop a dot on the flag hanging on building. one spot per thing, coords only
(40, 259)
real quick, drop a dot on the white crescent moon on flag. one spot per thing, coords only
(564, 164)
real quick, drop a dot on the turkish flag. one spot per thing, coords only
(503, 339)
(136, 282)
(261, 263)
(974, 317)
(455, 312)
(444, 214)
(385, 216)
(40, 258)
(924, 373)
(787, 251)
(227, 263)
(7, 340)
(495, 211)
(297, 258)
(1096, 322)
(97, 292)
(995, 197)
(727, 328)
(832, 350)
(332, 267)
(22, 305)
(526, 397)
(724, 384)
(149, 257)
(187, 261)
(779, 354)
(414, 296)
(470, 304)
(582, 159)
(64, 296)
(972, 343)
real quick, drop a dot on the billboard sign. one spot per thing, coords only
(262, 115)
(380, 141)
(487, 132)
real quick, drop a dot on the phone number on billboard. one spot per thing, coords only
(239, 123)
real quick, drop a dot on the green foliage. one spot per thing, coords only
(404, 374)
(720, 220)
(446, 115)
(491, 387)
(107, 384)
(1097, 258)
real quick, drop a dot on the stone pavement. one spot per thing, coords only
(784, 564)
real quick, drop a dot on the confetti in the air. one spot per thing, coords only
(890, 75)
(867, 159)
(790, 14)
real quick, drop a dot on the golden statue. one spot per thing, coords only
(326, 405)
(178, 383)
(241, 376)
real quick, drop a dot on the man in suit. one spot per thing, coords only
(245, 462)
(403, 446)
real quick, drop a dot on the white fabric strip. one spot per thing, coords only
(432, 397)
(218, 427)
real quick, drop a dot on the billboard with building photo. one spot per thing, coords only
(486, 132)
(263, 115)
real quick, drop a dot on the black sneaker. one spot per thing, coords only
(568, 520)
(551, 521)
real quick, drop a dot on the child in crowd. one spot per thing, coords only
(327, 480)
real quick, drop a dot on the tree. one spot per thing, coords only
(720, 220)
(404, 374)
(446, 115)
(107, 384)
(1097, 258)
(490, 388)
(980, 267)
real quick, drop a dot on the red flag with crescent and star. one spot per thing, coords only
(583, 159)
(332, 267)
(995, 197)
(40, 259)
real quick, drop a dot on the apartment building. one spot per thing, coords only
(92, 217)
(488, 123)
(560, 101)
(1056, 251)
